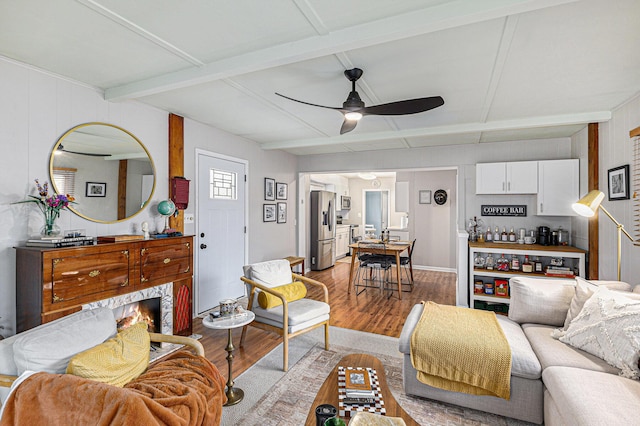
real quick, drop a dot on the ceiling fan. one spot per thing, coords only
(354, 109)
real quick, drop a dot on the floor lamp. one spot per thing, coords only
(587, 207)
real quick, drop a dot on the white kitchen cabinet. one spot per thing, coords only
(402, 197)
(519, 177)
(342, 241)
(558, 187)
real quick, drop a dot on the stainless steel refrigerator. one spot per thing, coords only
(323, 230)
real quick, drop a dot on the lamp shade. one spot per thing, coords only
(587, 205)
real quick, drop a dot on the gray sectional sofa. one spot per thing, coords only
(551, 381)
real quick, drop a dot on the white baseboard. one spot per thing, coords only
(434, 268)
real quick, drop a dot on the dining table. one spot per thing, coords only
(391, 248)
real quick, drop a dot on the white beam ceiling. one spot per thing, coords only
(432, 19)
(525, 123)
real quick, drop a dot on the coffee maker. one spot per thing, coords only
(544, 235)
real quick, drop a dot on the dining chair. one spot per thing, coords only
(405, 263)
(373, 266)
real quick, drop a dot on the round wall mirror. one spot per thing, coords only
(106, 168)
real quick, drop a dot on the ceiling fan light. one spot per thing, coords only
(366, 176)
(353, 116)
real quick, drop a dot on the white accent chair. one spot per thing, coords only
(291, 318)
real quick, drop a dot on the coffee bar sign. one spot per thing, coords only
(504, 210)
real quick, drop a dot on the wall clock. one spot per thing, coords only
(440, 197)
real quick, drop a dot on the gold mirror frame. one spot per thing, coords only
(84, 148)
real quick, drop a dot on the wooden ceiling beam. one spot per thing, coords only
(176, 163)
(593, 161)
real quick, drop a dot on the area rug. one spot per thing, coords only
(288, 401)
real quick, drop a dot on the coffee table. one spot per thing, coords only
(328, 393)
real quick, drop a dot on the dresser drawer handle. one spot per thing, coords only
(57, 298)
(125, 283)
(166, 260)
(94, 274)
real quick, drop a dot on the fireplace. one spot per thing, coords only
(162, 296)
(147, 311)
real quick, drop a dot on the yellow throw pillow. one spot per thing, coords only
(292, 292)
(116, 361)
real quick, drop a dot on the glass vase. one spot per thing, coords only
(50, 229)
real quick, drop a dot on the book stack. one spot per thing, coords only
(359, 391)
(118, 238)
(239, 312)
(559, 272)
(58, 242)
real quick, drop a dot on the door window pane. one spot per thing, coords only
(222, 185)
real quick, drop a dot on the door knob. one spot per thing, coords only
(203, 246)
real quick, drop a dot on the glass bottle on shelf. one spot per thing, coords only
(503, 264)
(504, 236)
(515, 263)
(479, 261)
(496, 235)
(489, 262)
(512, 236)
(537, 265)
(526, 265)
(489, 235)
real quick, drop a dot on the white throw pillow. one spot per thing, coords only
(50, 347)
(608, 326)
(584, 290)
(272, 273)
(540, 300)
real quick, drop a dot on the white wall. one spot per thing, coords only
(463, 158)
(615, 149)
(37, 108)
(432, 225)
(269, 240)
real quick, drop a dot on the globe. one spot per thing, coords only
(166, 208)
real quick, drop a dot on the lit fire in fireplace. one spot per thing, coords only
(135, 313)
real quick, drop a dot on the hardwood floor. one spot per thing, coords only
(371, 311)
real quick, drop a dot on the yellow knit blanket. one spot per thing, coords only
(461, 350)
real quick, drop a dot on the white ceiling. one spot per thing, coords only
(507, 69)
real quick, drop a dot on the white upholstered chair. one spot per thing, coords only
(289, 318)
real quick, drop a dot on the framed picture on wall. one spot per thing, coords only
(269, 189)
(619, 183)
(424, 197)
(282, 212)
(268, 212)
(281, 191)
(96, 189)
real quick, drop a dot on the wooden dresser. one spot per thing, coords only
(52, 283)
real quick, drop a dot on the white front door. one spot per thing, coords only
(221, 243)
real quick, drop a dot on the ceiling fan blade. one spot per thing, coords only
(409, 106)
(85, 153)
(347, 126)
(308, 103)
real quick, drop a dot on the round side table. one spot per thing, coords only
(234, 395)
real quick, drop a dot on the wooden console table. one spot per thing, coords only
(53, 283)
